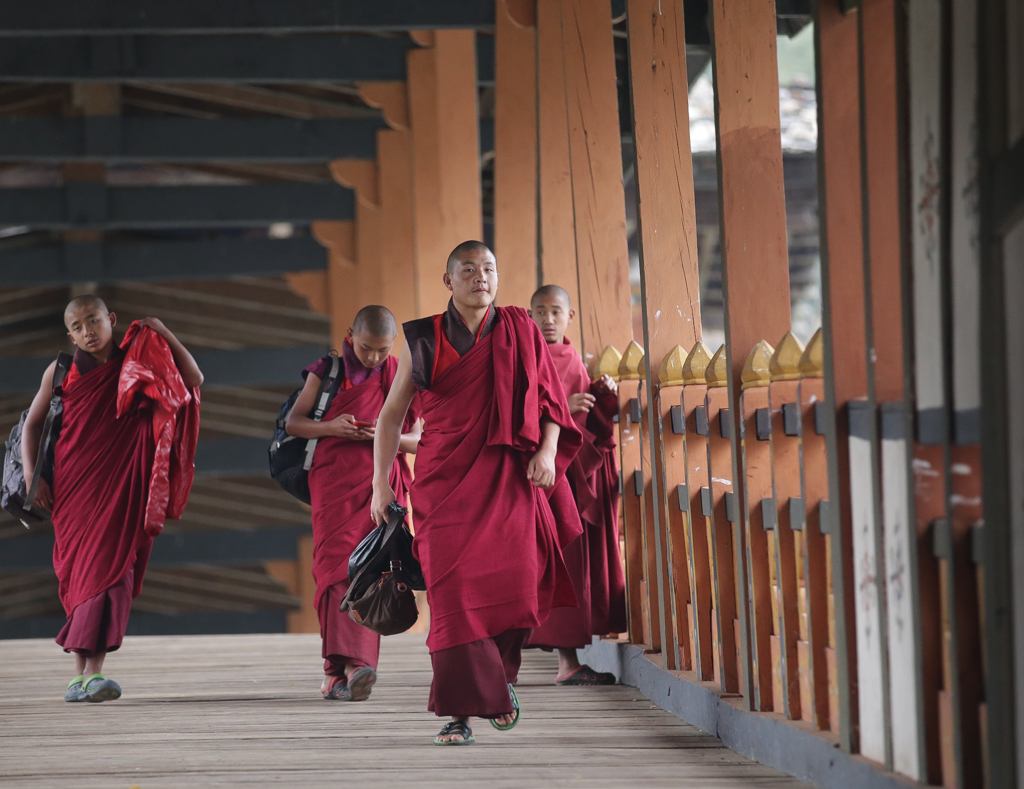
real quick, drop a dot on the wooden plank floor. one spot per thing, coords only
(202, 711)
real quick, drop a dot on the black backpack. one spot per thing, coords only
(291, 457)
(17, 494)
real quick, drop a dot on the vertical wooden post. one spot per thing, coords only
(595, 155)
(554, 187)
(721, 509)
(817, 624)
(632, 492)
(445, 125)
(790, 628)
(515, 155)
(670, 293)
(698, 523)
(756, 473)
(844, 328)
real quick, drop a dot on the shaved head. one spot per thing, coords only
(466, 246)
(553, 291)
(89, 300)
(376, 321)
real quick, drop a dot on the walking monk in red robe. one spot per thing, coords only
(497, 439)
(123, 463)
(593, 560)
(340, 488)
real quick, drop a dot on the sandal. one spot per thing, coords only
(98, 688)
(337, 686)
(359, 685)
(585, 675)
(455, 727)
(515, 712)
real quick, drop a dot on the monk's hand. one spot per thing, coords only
(606, 385)
(541, 469)
(383, 495)
(156, 325)
(44, 495)
(583, 401)
(344, 427)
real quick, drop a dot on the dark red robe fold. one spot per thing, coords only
(340, 486)
(594, 478)
(487, 539)
(103, 467)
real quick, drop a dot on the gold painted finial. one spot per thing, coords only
(641, 369)
(696, 363)
(629, 366)
(671, 371)
(717, 371)
(785, 362)
(812, 363)
(756, 369)
(608, 363)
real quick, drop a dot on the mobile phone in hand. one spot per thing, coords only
(363, 423)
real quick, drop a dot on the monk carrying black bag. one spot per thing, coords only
(382, 576)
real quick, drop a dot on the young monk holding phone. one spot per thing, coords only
(493, 508)
(340, 488)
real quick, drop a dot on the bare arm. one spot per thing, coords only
(299, 424)
(411, 439)
(389, 434)
(541, 469)
(33, 432)
(190, 372)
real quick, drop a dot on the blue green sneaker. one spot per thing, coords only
(74, 691)
(98, 688)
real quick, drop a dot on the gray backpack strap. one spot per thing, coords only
(60, 371)
(326, 395)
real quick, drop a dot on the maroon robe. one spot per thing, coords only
(340, 486)
(594, 478)
(103, 467)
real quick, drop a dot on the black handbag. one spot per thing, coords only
(18, 494)
(291, 457)
(382, 576)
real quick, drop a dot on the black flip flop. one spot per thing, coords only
(455, 727)
(359, 685)
(585, 675)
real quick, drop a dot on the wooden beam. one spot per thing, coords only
(843, 324)
(598, 200)
(557, 233)
(136, 139)
(158, 260)
(252, 97)
(93, 205)
(262, 16)
(755, 266)
(515, 156)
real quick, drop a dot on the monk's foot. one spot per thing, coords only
(98, 688)
(74, 691)
(455, 732)
(332, 686)
(585, 675)
(506, 722)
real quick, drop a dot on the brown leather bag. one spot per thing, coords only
(387, 606)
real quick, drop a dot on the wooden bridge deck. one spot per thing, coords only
(205, 711)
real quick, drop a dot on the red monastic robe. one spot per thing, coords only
(105, 474)
(594, 477)
(486, 537)
(341, 477)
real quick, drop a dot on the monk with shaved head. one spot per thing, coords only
(493, 509)
(593, 560)
(340, 487)
(123, 463)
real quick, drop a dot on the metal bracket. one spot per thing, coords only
(942, 539)
(824, 516)
(678, 424)
(820, 417)
(635, 412)
(706, 505)
(724, 423)
(638, 483)
(797, 513)
(791, 419)
(731, 514)
(763, 423)
(700, 415)
(769, 516)
(683, 494)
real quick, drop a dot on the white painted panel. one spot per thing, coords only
(925, 42)
(965, 250)
(866, 572)
(1013, 267)
(903, 646)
